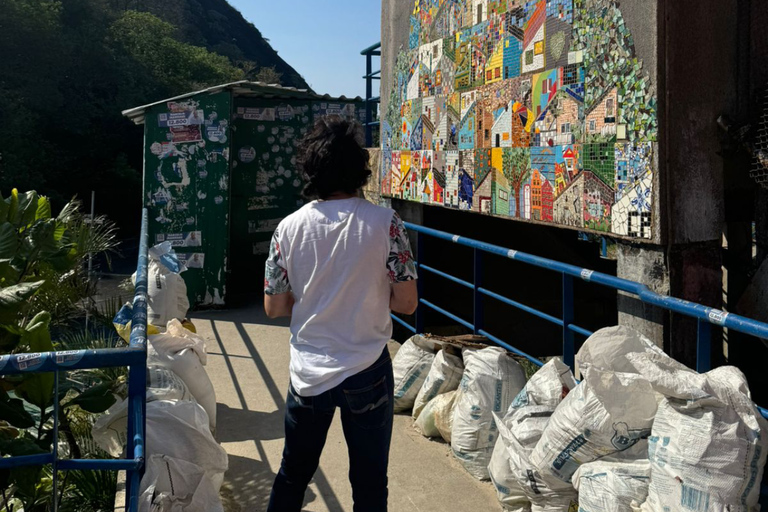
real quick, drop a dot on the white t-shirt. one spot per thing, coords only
(338, 259)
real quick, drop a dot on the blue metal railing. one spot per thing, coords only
(370, 100)
(134, 356)
(705, 317)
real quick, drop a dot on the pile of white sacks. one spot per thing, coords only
(185, 465)
(640, 433)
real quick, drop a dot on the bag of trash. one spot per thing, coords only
(123, 323)
(607, 350)
(492, 378)
(444, 376)
(548, 386)
(166, 290)
(410, 367)
(173, 485)
(612, 486)
(443, 412)
(184, 352)
(519, 432)
(606, 413)
(709, 442)
(176, 428)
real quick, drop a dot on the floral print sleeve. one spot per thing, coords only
(400, 264)
(276, 275)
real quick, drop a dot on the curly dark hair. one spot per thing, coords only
(332, 158)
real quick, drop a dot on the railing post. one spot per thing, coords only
(569, 348)
(704, 346)
(368, 96)
(479, 309)
(55, 467)
(420, 243)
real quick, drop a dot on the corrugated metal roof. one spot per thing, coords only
(243, 88)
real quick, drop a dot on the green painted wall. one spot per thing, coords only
(186, 187)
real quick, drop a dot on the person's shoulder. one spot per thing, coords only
(377, 209)
(296, 217)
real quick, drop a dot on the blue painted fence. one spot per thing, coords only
(706, 317)
(134, 357)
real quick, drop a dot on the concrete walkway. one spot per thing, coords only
(248, 364)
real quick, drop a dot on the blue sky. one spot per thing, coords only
(321, 39)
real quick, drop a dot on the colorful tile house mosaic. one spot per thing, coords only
(531, 109)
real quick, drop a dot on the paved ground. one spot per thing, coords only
(248, 364)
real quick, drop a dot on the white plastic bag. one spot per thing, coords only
(518, 434)
(410, 367)
(607, 350)
(612, 486)
(709, 443)
(548, 386)
(444, 376)
(166, 290)
(425, 423)
(443, 412)
(184, 353)
(607, 413)
(492, 378)
(178, 429)
(173, 485)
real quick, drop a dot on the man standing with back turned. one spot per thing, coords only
(337, 267)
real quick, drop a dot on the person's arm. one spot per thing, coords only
(278, 297)
(277, 306)
(404, 296)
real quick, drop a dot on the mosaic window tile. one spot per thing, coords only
(531, 109)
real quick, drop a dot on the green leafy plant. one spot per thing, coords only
(44, 284)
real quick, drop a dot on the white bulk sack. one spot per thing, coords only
(166, 290)
(607, 350)
(109, 430)
(183, 352)
(175, 428)
(518, 434)
(709, 443)
(492, 379)
(425, 423)
(548, 386)
(608, 412)
(173, 485)
(444, 376)
(410, 367)
(612, 486)
(442, 409)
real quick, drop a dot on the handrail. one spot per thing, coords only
(134, 356)
(705, 316)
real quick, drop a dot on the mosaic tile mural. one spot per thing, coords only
(531, 109)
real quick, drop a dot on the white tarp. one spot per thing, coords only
(612, 486)
(444, 376)
(492, 379)
(410, 367)
(709, 443)
(608, 412)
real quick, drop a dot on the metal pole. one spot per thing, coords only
(569, 349)
(368, 96)
(420, 243)
(93, 216)
(704, 346)
(479, 308)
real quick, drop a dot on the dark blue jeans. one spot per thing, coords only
(367, 403)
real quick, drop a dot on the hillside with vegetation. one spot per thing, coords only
(69, 67)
